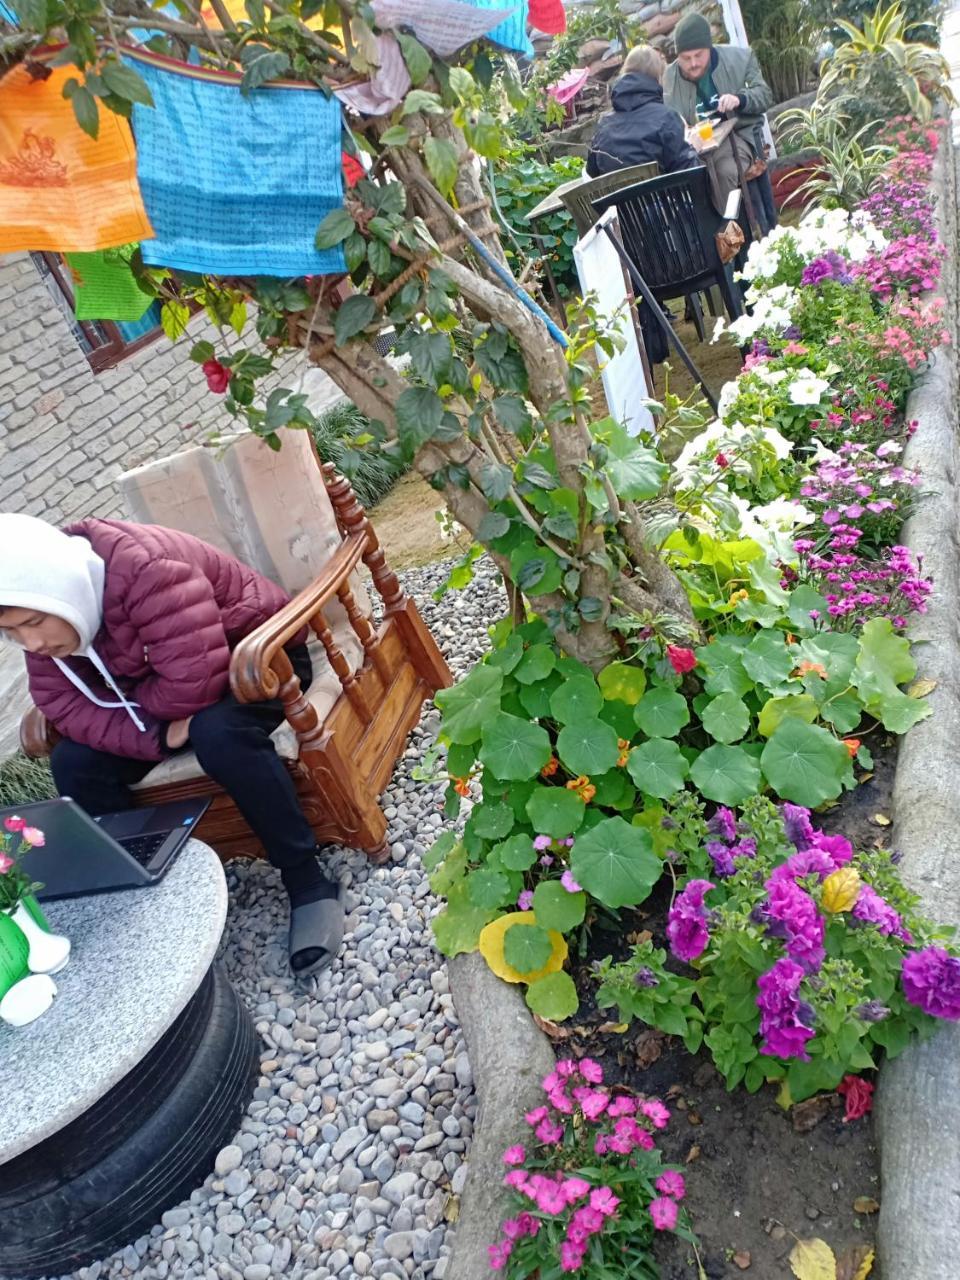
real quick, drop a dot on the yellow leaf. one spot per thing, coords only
(920, 688)
(813, 1260)
(491, 948)
(840, 890)
(865, 1204)
(865, 1267)
(881, 820)
(855, 1263)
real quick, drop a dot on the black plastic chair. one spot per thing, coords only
(668, 226)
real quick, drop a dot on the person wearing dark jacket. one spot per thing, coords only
(127, 631)
(640, 128)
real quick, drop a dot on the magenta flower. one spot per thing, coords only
(499, 1254)
(871, 908)
(603, 1201)
(671, 1183)
(536, 1115)
(591, 1071)
(5, 864)
(514, 1155)
(549, 1132)
(571, 1256)
(541, 842)
(593, 1102)
(656, 1112)
(664, 1213)
(785, 1020)
(687, 922)
(575, 1189)
(569, 883)
(791, 914)
(14, 824)
(931, 981)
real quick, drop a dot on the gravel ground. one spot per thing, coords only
(355, 1142)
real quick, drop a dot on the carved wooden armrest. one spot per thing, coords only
(254, 676)
(38, 737)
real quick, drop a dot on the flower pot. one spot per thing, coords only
(46, 952)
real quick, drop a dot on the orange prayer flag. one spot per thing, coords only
(62, 191)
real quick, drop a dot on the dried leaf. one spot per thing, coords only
(807, 1115)
(920, 688)
(649, 1047)
(855, 1263)
(693, 1154)
(639, 938)
(813, 1260)
(552, 1029)
(675, 1091)
(451, 1210)
(881, 820)
(613, 1028)
(866, 1204)
(694, 1118)
(742, 1259)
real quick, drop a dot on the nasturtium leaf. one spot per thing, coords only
(535, 698)
(835, 651)
(804, 600)
(626, 683)
(576, 699)
(517, 796)
(615, 863)
(459, 926)
(804, 763)
(461, 758)
(488, 888)
(513, 748)
(516, 854)
(767, 659)
(588, 746)
(619, 715)
(526, 947)
(441, 848)
(492, 819)
(724, 667)
(491, 942)
(802, 706)
(557, 909)
(470, 704)
(728, 775)
(506, 656)
(536, 664)
(555, 811)
(553, 997)
(450, 871)
(614, 790)
(726, 718)
(662, 713)
(884, 662)
(658, 767)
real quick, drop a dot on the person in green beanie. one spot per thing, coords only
(710, 80)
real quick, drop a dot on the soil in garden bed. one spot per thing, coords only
(757, 1176)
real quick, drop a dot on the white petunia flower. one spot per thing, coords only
(808, 390)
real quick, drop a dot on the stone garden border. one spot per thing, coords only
(918, 1111)
(918, 1107)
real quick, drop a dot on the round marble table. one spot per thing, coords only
(143, 1025)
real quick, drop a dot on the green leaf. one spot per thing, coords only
(513, 748)
(431, 355)
(728, 775)
(615, 863)
(662, 713)
(883, 663)
(201, 352)
(492, 819)
(775, 710)
(555, 811)
(84, 106)
(174, 317)
(536, 664)
(457, 929)
(488, 888)
(526, 947)
(493, 525)
(416, 57)
(588, 746)
(553, 997)
(658, 767)
(379, 257)
(725, 670)
(397, 136)
(623, 683)
(507, 655)
(516, 854)
(767, 660)
(804, 763)
(352, 317)
(261, 65)
(442, 162)
(804, 600)
(576, 699)
(726, 718)
(126, 83)
(557, 909)
(334, 229)
(634, 470)
(511, 413)
(485, 135)
(469, 704)
(419, 411)
(495, 480)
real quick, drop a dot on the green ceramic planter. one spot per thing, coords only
(14, 948)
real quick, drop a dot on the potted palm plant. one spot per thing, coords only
(26, 943)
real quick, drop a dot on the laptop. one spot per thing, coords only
(83, 855)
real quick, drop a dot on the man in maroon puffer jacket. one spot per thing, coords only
(128, 631)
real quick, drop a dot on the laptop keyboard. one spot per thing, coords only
(142, 848)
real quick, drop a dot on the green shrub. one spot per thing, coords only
(371, 472)
(23, 781)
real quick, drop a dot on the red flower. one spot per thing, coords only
(859, 1097)
(681, 660)
(217, 375)
(353, 170)
(722, 461)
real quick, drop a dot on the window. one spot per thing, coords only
(104, 342)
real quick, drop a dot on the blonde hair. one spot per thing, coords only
(646, 60)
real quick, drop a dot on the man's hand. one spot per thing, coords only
(178, 731)
(728, 104)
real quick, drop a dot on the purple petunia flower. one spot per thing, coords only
(687, 930)
(786, 1021)
(871, 908)
(791, 914)
(931, 981)
(796, 821)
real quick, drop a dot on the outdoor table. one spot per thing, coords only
(708, 152)
(114, 1103)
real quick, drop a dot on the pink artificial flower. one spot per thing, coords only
(14, 824)
(514, 1155)
(591, 1071)
(603, 1201)
(671, 1183)
(5, 864)
(663, 1211)
(33, 837)
(654, 1110)
(569, 883)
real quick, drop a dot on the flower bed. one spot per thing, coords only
(808, 958)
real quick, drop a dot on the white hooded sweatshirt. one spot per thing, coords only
(43, 568)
